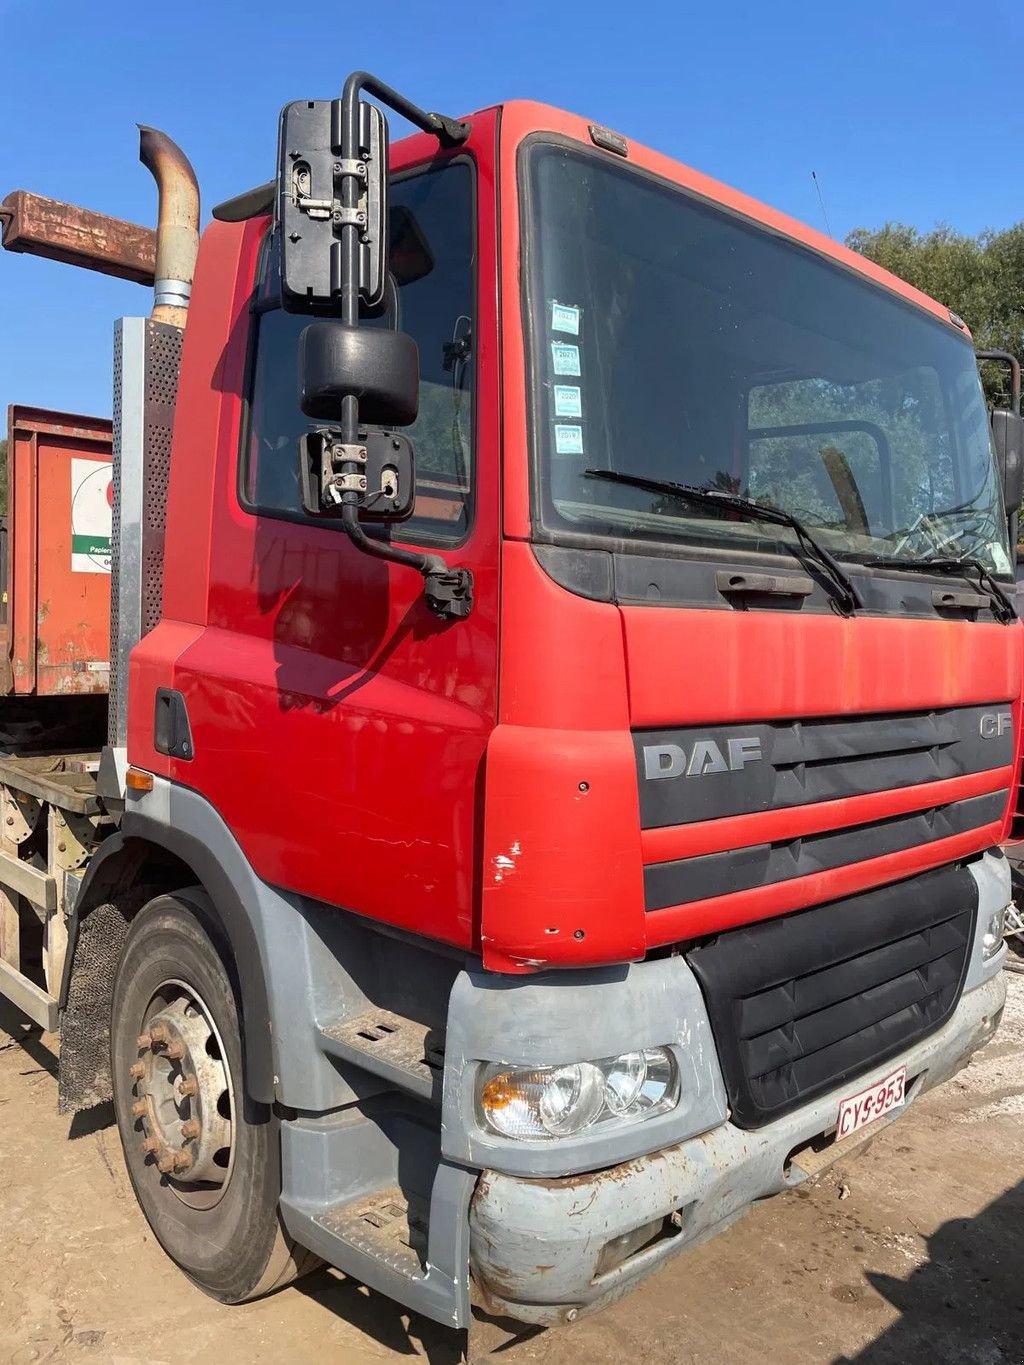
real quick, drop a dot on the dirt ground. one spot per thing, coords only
(919, 1258)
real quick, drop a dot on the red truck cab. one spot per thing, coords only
(562, 929)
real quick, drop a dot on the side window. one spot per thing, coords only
(432, 258)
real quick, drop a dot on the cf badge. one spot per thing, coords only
(995, 724)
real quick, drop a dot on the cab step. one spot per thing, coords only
(371, 1195)
(386, 1225)
(405, 1052)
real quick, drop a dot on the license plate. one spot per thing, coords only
(870, 1104)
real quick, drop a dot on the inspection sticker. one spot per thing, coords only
(568, 439)
(568, 400)
(565, 358)
(565, 318)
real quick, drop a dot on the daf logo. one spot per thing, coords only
(671, 760)
(995, 724)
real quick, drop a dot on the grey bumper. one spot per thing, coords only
(545, 1251)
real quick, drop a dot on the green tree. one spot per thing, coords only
(980, 278)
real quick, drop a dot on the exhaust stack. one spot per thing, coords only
(177, 234)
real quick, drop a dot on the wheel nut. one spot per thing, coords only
(151, 1145)
(158, 1033)
(175, 1051)
(182, 1161)
(136, 1071)
(191, 1128)
(166, 1163)
(140, 1109)
(188, 1087)
(144, 1040)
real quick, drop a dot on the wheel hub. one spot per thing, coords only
(184, 1102)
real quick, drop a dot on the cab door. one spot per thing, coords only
(339, 727)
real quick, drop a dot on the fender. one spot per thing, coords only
(299, 962)
(238, 929)
(116, 865)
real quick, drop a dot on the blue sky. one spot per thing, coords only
(896, 107)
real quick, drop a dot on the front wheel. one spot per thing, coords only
(204, 1162)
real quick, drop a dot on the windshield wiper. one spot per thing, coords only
(1003, 608)
(844, 591)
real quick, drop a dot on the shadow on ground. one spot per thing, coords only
(409, 1334)
(966, 1303)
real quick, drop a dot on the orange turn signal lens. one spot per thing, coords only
(138, 780)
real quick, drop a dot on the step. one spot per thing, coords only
(405, 1052)
(386, 1226)
(365, 1198)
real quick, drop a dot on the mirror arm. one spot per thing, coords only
(1007, 358)
(449, 592)
(450, 131)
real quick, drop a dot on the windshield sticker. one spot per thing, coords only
(1000, 558)
(565, 358)
(568, 400)
(568, 439)
(565, 318)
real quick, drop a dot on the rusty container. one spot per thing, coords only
(56, 598)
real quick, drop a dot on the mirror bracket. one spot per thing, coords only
(449, 592)
(378, 472)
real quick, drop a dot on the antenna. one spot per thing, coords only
(821, 201)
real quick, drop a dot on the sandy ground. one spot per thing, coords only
(922, 1260)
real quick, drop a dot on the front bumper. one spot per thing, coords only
(546, 1250)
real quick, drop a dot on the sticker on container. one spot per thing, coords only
(565, 318)
(568, 400)
(565, 358)
(92, 500)
(568, 439)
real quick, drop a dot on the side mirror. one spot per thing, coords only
(312, 211)
(382, 370)
(379, 367)
(1008, 439)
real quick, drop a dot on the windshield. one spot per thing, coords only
(675, 341)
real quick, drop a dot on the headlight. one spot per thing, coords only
(993, 937)
(560, 1101)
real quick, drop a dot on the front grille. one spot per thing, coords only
(807, 1003)
(685, 880)
(706, 773)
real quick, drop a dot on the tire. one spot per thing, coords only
(227, 1237)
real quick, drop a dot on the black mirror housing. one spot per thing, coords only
(1008, 439)
(311, 211)
(379, 367)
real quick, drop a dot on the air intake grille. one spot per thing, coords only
(807, 1003)
(740, 869)
(686, 775)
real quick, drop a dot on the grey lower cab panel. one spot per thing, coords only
(545, 1251)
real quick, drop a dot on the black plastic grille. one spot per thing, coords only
(686, 775)
(809, 1002)
(740, 869)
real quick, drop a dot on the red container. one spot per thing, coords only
(56, 599)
